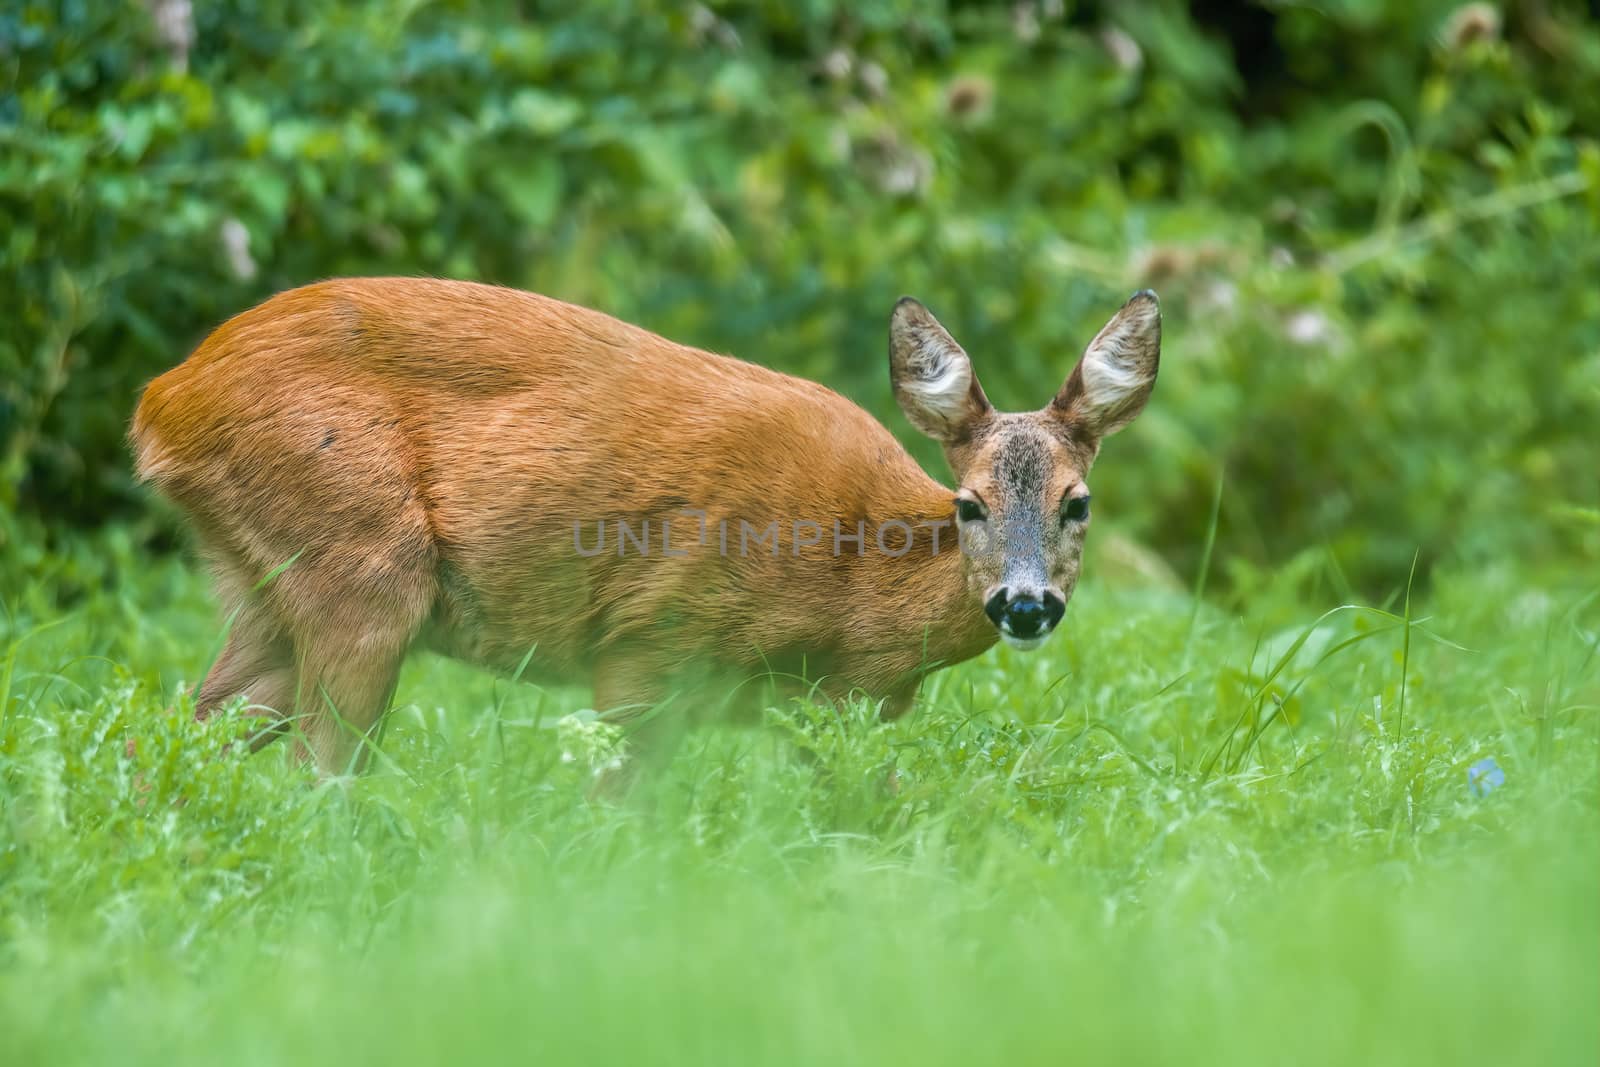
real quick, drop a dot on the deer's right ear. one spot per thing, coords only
(1112, 381)
(932, 377)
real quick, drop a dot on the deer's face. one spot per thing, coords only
(1022, 505)
(1022, 509)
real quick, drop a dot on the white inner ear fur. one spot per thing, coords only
(939, 381)
(1109, 377)
(1119, 364)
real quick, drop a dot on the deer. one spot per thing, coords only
(372, 466)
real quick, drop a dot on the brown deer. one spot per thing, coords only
(375, 465)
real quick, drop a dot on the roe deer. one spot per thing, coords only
(443, 463)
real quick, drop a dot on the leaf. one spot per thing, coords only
(543, 113)
(533, 193)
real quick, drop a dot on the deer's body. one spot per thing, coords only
(377, 464)
(433, 456)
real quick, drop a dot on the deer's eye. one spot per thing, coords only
(969, 510)
(1076, 509)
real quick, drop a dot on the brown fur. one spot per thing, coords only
(422, 450)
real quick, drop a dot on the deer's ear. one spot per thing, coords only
(1112, 381)
(932, 377)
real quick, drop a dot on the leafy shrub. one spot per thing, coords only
(1376, 228)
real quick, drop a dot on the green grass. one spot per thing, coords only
(1143, 844)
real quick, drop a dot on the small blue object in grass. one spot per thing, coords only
(1484, 777)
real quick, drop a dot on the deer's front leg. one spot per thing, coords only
(900, 699)
(633, 691)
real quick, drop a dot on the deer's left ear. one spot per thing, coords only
(1112, 381)
(932, 377)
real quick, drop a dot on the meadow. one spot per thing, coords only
(1274, 831)
(1309, 774)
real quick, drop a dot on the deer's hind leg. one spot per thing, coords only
(352, 625)
(256, 662)
(317, 640)
(319, 507)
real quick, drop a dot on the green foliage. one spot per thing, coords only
(1235, 830)
(1375, 227)
(1100, 851)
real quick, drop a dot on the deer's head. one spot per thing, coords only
(1022, 502)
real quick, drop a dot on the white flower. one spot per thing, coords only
(236, 246)
(874, 79)
(1025, 22)
(837, 64)
(1123, 50)
(585, 739)
(1309, 327)
(174, 24)
(1218, 295)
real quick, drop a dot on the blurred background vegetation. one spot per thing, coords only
(1375, 228)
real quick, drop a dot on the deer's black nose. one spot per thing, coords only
(1025, 617)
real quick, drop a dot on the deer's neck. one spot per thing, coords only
(926, 584)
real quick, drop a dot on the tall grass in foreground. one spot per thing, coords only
(1177, 834)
